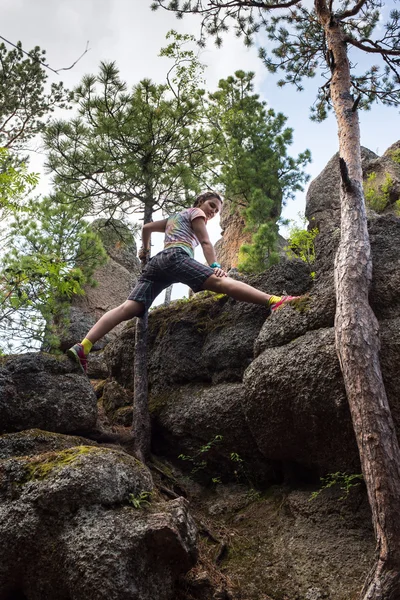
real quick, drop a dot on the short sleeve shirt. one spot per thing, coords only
(179, 232)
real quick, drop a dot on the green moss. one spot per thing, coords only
(40, 467)
(157, 403)
(395, 155)
(377, 197)
(204, 311)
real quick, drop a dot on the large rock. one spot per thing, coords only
(323, 196)
(234, 235)
(35, 441)
(296, 406)
(69, 532)
(285, 545)
(191, 418)
(47, 392)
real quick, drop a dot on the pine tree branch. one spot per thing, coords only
(375, 48)
(354, 11)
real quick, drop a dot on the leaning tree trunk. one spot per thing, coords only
(357, 339)
(141, 426)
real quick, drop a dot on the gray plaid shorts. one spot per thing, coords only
(173, 265)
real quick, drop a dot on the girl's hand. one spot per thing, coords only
(219, 272)
(144, 253)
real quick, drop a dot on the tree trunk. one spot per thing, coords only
(168, 294)
(357, 335)
(141, 426)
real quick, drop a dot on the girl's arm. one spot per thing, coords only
(146, 235)
(200, 229)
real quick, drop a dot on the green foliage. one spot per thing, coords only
(257, 174)
(134, 150)
(142, 500)
(376, 197)
(345, 481)
(297, 44)
(260, 254)
(24, 102)
(198, 459)
(395, 155)
(301, 244)
(51, 254)
(15, 183)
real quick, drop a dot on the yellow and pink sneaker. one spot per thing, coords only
(77, 353)
(277, 302)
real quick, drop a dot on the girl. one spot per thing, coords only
(183, 232)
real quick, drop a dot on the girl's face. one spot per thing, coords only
(211, 207)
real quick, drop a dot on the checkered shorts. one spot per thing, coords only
(173, 265)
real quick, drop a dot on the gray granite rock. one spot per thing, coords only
(47, 392)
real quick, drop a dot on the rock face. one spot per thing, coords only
(233, 236)
(69, 532)
(39, 390)
(323, 197)
(115, 280)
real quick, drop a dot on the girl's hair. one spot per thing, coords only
(206, 196)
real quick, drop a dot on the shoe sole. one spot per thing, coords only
(71, 353)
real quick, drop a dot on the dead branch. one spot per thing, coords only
(34, 58)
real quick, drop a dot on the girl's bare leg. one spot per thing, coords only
(124, 312)
(236, 289)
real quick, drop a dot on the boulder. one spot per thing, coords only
(323, 196)
(220, 431)
(295, 402)
(36, 441)
(42, 391)
(80, 523)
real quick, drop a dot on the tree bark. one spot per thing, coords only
(357, 334)
(141, 426)
(168, 294)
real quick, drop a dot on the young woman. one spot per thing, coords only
(183, 232)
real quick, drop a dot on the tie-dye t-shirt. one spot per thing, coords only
(179, 233)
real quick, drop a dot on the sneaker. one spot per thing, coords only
(78, 355)
(283, 300)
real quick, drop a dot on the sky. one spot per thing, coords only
(129, 33)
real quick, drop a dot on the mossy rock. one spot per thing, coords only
(36, 441)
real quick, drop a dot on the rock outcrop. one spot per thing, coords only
(47, 392)
(323, 196)
(233, 237)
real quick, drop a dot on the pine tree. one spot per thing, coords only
(256, 173)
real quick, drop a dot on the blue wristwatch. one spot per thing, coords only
(215, 265)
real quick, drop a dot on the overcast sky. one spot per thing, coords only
(127, 32)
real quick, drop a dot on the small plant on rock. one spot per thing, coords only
(140, 501)
(345, 481)
(301, 244)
